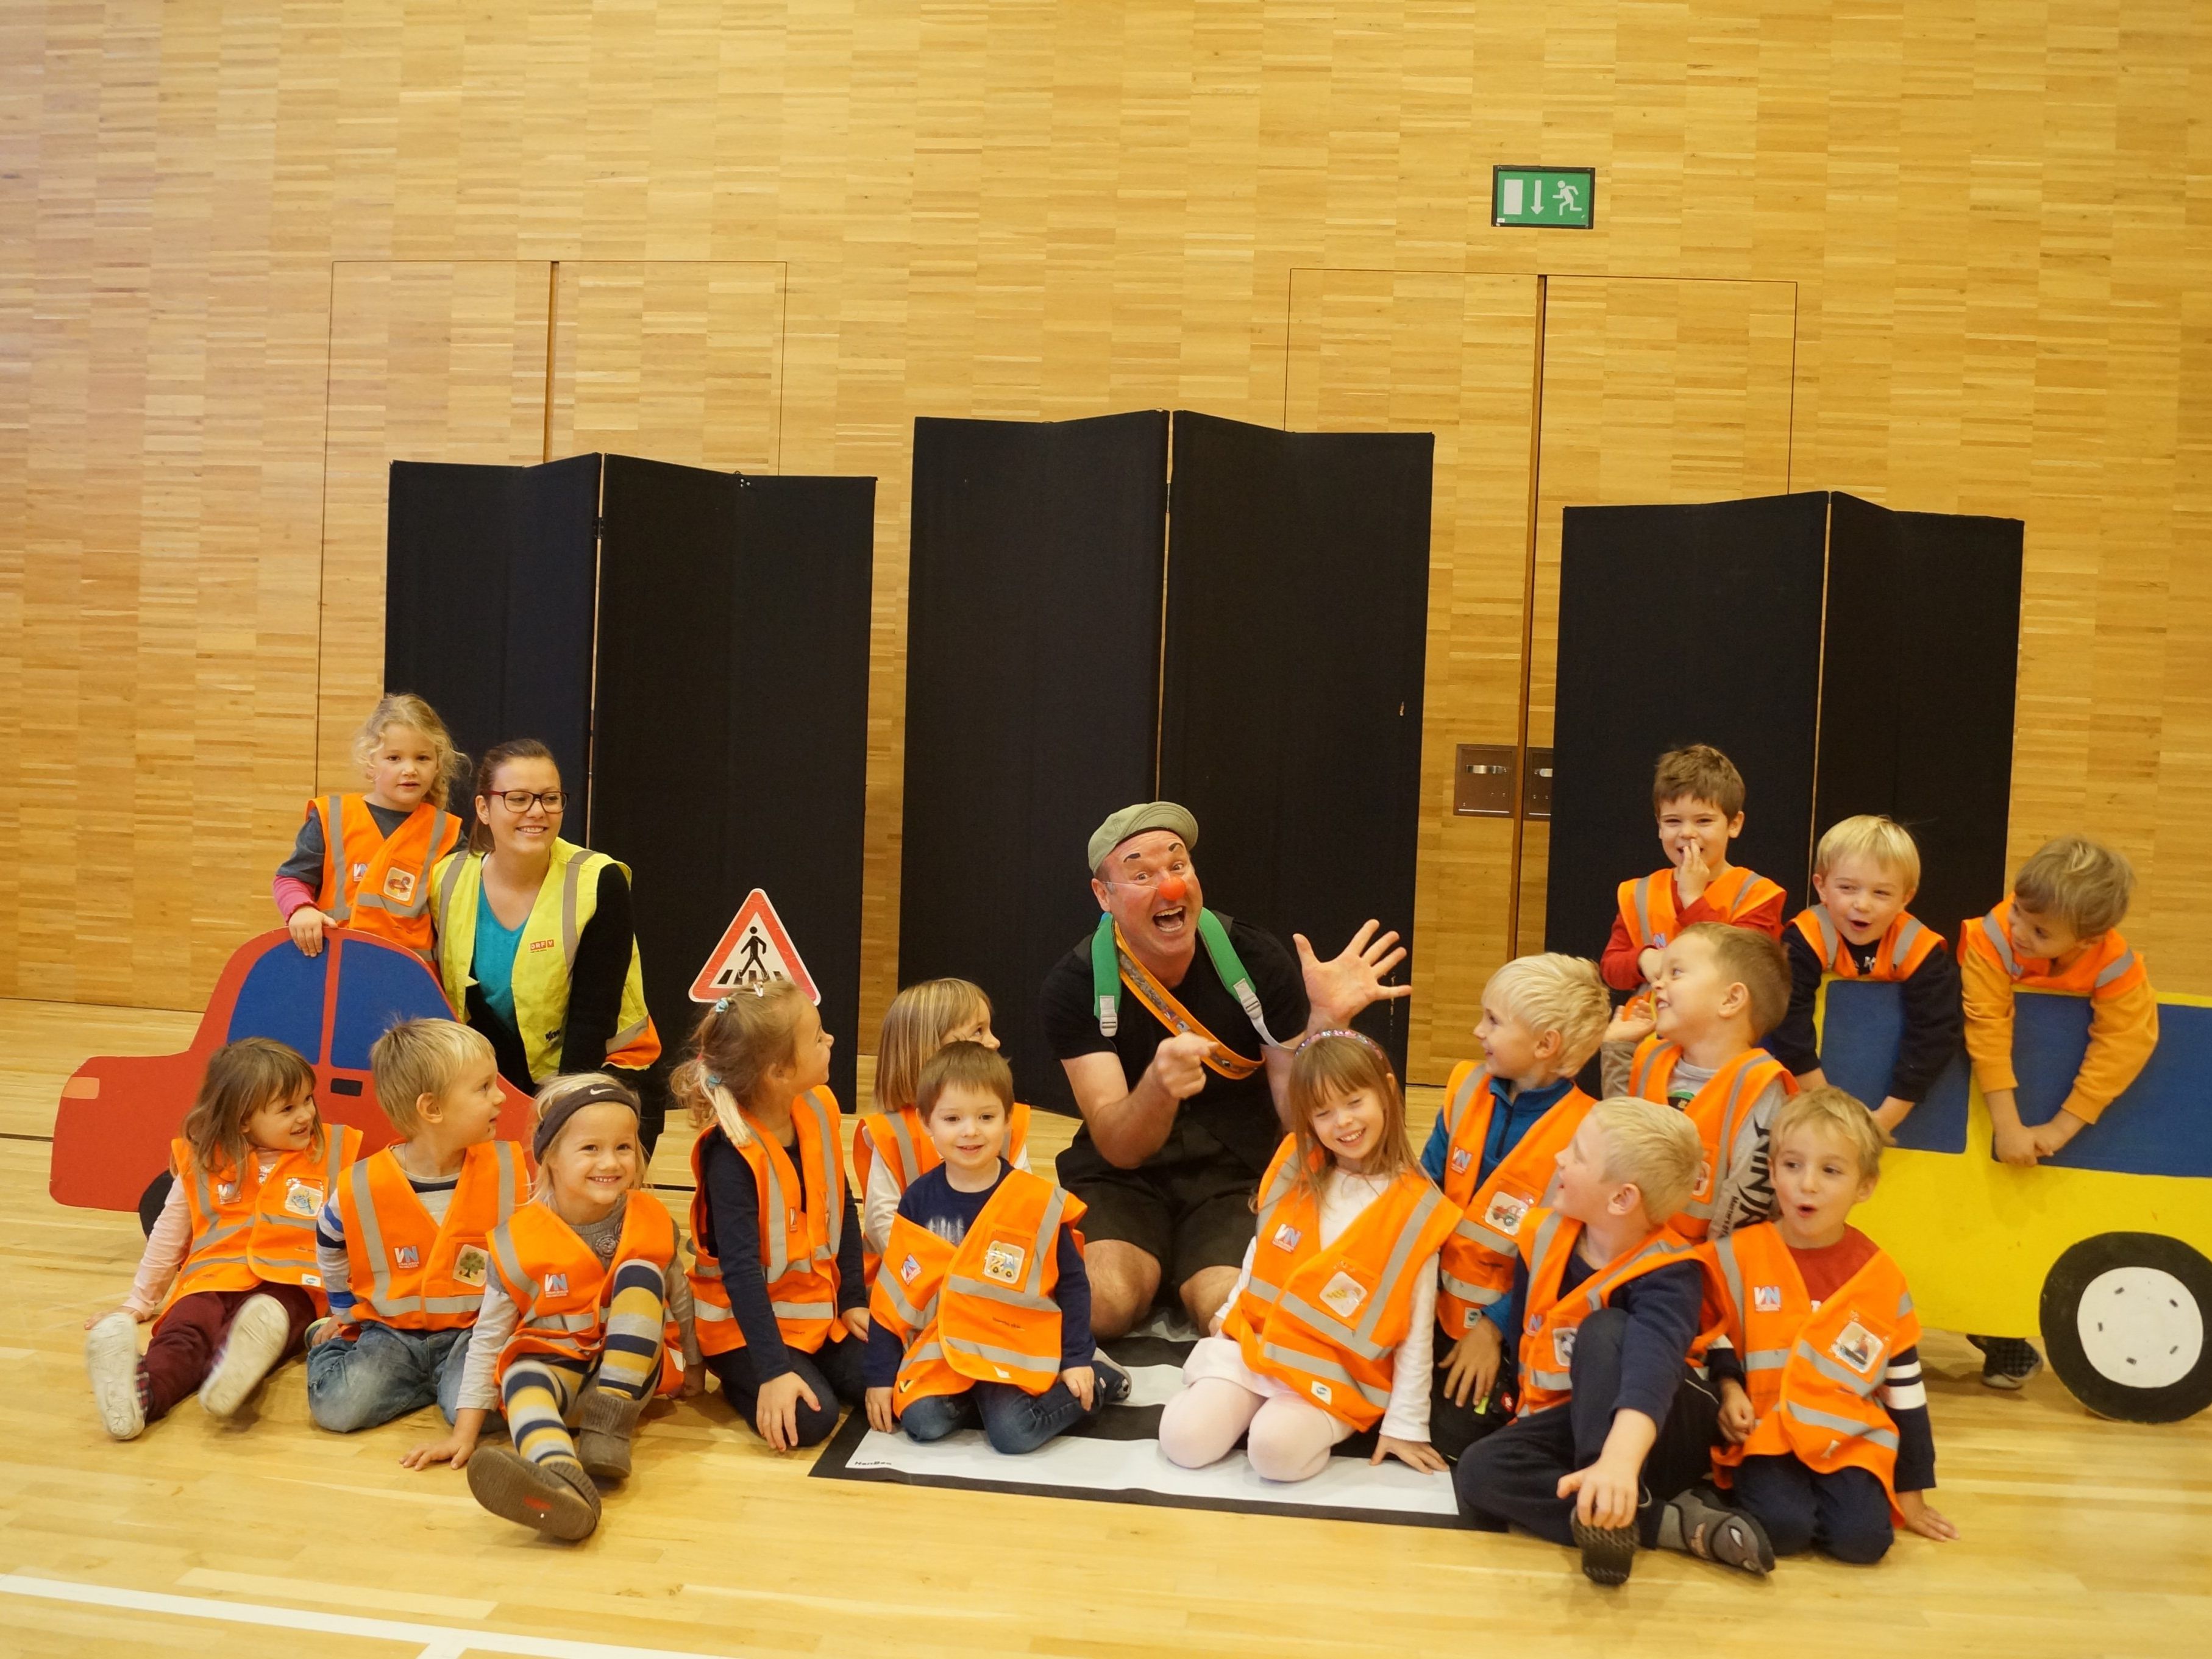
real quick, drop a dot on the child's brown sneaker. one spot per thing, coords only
(555, 1497)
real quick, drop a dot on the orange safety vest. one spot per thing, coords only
(1814, 1374)
(1546, 1241)
(1325, 1318)
(1647, 904)
(378, 883)
(1476, 1266)
(408, 1271)
(1720, 1111)
(899, 1139)
(797, 1245)
(1898, 955)
(561, 1291)
(981, 1311)
(2104, 966)
(257, 1229)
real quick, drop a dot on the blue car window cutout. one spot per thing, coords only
(283, 998)
(379, 985)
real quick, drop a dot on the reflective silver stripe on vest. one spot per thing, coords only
(334, 850)
(571, 879)
(778, 1257)
(1765, 1359)
(1455, 1108)
(1481, 1295)
(708, 1313)
(1314, 1365)
(372, 1241)
(2001, 938)
(1859, 1385)
(832, 1174)
(1904, 1304)
(805, 1310)
(923, 1354)
(1732, 1274)
(1830, 937)
(1489, 1238)
(1644, 909)
(1012, 1358)
(502, 1247)
(1901, 947)
(914, 1317)
(1602, 1283)
(2118, 966)
(1029, 1293)
(1552, 1382)
(910, 1164)
(1844, 1427)
(628, 1034)
(1541, 1248)
(422, 899)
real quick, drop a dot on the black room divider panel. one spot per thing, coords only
(1916, 693)
(1032, 667)
(733, 720)
(1681, 624)
(1295, 644)
(488, 608)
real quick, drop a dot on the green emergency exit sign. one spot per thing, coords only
(1557, 198)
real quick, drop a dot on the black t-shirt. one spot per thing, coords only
(1236, 1116)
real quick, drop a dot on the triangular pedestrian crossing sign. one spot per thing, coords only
(755, 950)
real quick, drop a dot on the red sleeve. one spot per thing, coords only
(1617, 967)
(290, 895)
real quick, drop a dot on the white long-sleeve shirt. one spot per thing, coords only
(1344, 1198)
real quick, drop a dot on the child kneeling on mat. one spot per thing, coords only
(982, 1310)
(1822, 1407)
(237, 1238)
(1613, 1422)
(585, 1317)
(1330, 1329)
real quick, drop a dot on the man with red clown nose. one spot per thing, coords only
(1175, 1026)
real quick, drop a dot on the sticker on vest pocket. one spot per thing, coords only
(1857, 1347)
(537, 944)
(909, 1270)
(399, 885)
(359, 870)
(1504, 1213)
(1562, 1348)
(1343, 1294)
(556, 1284)
(312, 1280)
(1286, 1238)
(226, 1193)
(406, 1256)
(1766, 1298)
(1003, 1262)
(303, 1200)
(471, 1266)
(1460, 1159)
(1321, 1391)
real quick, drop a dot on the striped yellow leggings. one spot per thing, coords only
(540, 1391)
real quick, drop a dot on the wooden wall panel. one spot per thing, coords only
(435, 360)
(1382, 351)
(1653, 391)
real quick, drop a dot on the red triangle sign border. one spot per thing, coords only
(738, 942)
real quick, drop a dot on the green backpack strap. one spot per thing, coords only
(1106, 975)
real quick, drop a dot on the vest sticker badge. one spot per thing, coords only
(359, 870)
(1460, 1159)
(303, 1200)
(400, 886)
(471, 1266)
(1343, 1294)
(226, 1193)
(1286, 1238)
(1766, 1298)
(1003, 1262)
(1321, 1391)
(1857, 1347)
(1562, 1348)
(556, 1284)
(909, 1270)
(537, 944)
(406, 1255)
(1504, 1213)
(315, 1281)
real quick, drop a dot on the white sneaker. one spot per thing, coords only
(255, 1342)
(111, 1360)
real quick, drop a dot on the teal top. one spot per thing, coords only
(494, 967)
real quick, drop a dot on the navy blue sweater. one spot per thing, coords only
(734, 1221)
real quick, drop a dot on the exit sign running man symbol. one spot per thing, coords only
(1553, 198)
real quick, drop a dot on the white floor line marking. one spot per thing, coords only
(430, 1641)
(16, 1353)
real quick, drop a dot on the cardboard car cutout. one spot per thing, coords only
(119, 1112)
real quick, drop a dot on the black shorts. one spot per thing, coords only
(1188, 1216)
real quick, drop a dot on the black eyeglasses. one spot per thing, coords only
(517, 801)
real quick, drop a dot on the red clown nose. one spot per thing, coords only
(1173, 888)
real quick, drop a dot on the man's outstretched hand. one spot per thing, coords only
(1337, 990)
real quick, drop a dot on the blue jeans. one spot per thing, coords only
(384, 1373)
(1014, 1421)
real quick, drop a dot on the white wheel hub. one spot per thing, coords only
(2140, 1326)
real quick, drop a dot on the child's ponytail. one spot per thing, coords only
(737, 1044)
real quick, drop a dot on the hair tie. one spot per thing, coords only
(591, 1094)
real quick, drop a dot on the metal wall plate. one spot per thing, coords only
(1536, 795)
(1483, 780)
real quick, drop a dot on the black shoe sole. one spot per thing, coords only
(1608, 1552)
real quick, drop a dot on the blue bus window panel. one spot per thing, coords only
(1859, 1034)
(379, 985)
(282, 998)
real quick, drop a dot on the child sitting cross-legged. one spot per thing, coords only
(1822, 1407)
(1613, 1420)
(983, 1312)
(1330, 1327)
(401, 1244)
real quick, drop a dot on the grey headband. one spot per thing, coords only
(592, 1094)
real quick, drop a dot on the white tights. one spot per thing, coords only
(1290, 1440)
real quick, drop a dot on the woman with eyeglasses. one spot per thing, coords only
(535, 943)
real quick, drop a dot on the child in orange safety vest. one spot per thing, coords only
(782, 1302)
(402, 1243)
(1329, 1328)
(585, 1317)
(892, 1148)
(363, 861)
(229, 1265)
(982, 1315)
(1822, 1407)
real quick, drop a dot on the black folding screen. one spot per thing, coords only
(730, 746)
(733, 719)
(1294, 604)
(488, 607)
(1033, 658)
(1713, 624)
(1291, 713)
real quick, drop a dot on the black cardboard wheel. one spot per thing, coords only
(2126, 1320)
(151, 1201)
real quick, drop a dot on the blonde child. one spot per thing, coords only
(1865, 872)
(229, 1265)
(892, 1148)
(1329, 1328)
(2059, 931)
(402, 1243)
(1818, 1364)
(1614, 1421)
(1494, 1151)
(584, 1317)
(1720, 990)
(782, 1305)
(363, 861)
(986, 1314)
